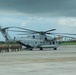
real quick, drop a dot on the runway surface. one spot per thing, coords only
(36, 62)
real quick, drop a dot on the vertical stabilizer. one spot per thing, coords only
(5, 34)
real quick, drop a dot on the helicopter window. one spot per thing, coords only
(36, 42)
(53, 42)
(33, 37)
(50, 43)
(45, 38)
(41, 42)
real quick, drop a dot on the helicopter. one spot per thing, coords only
(34, 39)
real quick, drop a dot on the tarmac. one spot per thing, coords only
(46, 62)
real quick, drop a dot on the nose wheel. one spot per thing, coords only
(41, 48)
(55, 48)
(30, 49)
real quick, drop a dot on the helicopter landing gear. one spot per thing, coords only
(41, 48)
(30, 49)
(55, 48)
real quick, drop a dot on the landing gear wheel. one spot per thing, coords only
(41, 48)
(30, 49)
(55, 48)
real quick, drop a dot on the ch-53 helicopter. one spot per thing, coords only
(34, 39)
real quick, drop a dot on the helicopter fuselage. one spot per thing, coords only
(37, 41)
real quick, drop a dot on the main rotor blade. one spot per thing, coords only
(22, 34)
(7, 28)
(50, 30)
(26, 29)
(67, 37)
(40, 32)
(61, 33)
(25, 34)
(17, 31)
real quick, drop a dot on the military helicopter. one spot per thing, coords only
(34, 39)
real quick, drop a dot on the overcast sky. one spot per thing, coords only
(39, 15)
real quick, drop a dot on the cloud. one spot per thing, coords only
(39, 14)
(40, 7)
(67, 21)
